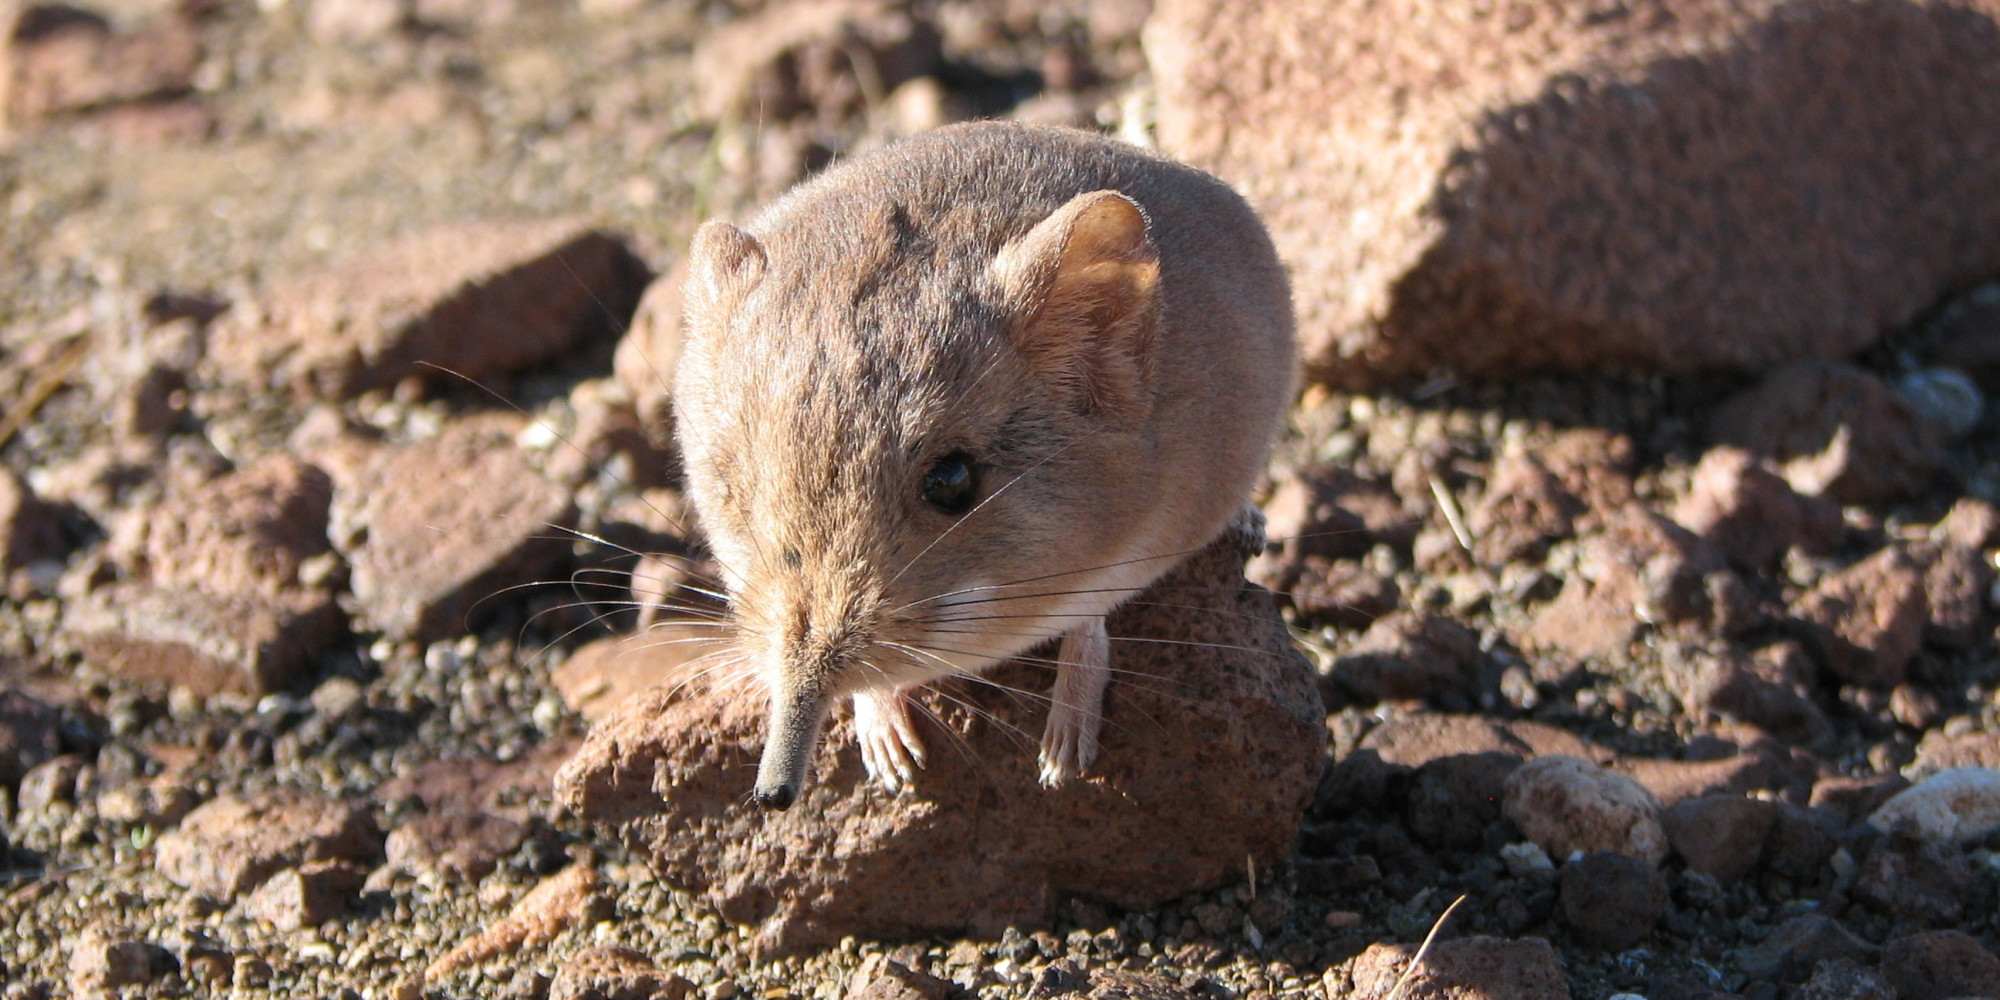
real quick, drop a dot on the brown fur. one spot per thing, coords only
(1116, 364)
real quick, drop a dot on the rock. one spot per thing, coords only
(1433, 176)
(1801, 842)
(1867, 620)
(1971, 523)
(104, 959)
(247, 533)
(1720, 836)
(47, 784)
(650, 351)
(1957, 582)
(1413, 740)
(1567, 804)
(176, 636)
(1939, 751)
(1750, 514)
(1770, 688)
(306, 896)
(1946, 397)
(474, 300)
(1957, 806)
(232, 843)
(1850, 800)
(1915, 881)
(1836, 430)
(158, 802)
(1841, 979)
(1473, 968)
(809, 58)
(29, 734)
(1798, 946)
(357, 20)
(669, 772)
(1341, 593)
(1525, 508)
(1941, 964)
(1409, 656)
(1757, 770)
(880, 978)
(569, 898)
(1640, 568)
(600, 675)
(1327, 512)
(30, 529)
(452, 848)
(62, 59)
(508, 790)
(1611, 901)
(1453, 798)
(615, 972)
(446, 524)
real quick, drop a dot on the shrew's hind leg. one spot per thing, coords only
(1076, 706)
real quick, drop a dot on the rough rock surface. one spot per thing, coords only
(244, 644)
(1941, 964)
(1409, 656)
(230, 844)
(1189, 735)
(66, 59)
(248, 533)
(614, 972)
(29, 527)
(1956, 806)
(1749, 513)
(29, 734)
(1868, 620)
(306, 896)
(1567, 804)
(1836, 431)
(449, 520)
(1721, 836)
(476, 300)
(1474, 968)
(1610, 900)
(598, 676)
(1432, 173)
(441, 847)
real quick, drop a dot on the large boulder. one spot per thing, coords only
(1668, 185)
(1212, 745)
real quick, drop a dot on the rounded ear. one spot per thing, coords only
(724, 264)
(1083, 290)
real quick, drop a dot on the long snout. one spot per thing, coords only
(791, 733)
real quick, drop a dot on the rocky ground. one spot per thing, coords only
(1658, 674)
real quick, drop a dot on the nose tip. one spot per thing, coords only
(779, 798)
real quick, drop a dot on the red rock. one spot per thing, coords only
(158, 802)
(1409, 656)
(1750, 514)
(1306, 515)
(599, 675)
(1941, 964)
(1956, 584)
(1837, 431)
(1641, 568)
(670, 772)
(450, 522)
(507, 790)
(356, 20)
(476, 300)
(30, 529)
(47, 784)
(808, 57)
(1801, 842)
(1971, 523)
(1678, 780)
(147, 124)
(1342, 593)
(1611, 901)
(1473, 968)
(104, 959)
(61, 59)
(615, 972)
(243, 644)
(1770, 688)
(1720, 836)
(1484, 188)
(247, 533)
(1413, 740)
(1938, 751)
(1915, 881)
(28, 734)
(306, 896)
(1568, 805)
(1452, 799)
(1525, 508)
(879, 978)
(1848, 801)
(452, 848)
(1868, 619)
(569, 898)
(650, 351)
(231, 843)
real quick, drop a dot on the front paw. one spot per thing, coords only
(891, 751)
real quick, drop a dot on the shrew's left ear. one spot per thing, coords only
(1084, 289)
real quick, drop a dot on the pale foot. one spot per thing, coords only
(1246, 530)
(1076, 706)
(890, 749)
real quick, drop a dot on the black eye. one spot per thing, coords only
(949, 485)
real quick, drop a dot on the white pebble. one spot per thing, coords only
(1959, 805)
(1525, 858)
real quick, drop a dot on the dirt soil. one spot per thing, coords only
(298, 137)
